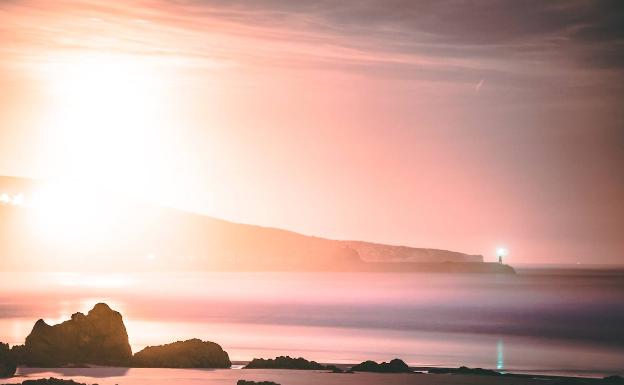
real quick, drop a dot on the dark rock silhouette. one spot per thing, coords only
(245, 382)
(98, 338)
(17, 351)
(8, 363)
(616, 380)
(52, 381)
(394, 366)
(193, 353)
(465, 370)
(286, 362)
(334, 369)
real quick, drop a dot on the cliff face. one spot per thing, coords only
(376, 252)
(193, 353)
(98, 338)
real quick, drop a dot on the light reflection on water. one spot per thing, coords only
(526, 322)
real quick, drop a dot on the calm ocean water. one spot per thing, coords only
(552, 320)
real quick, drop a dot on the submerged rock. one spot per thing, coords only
(99, 338)
(193, 353)
(8, 364)
(394, 366)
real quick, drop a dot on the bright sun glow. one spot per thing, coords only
(105, 118)
(67, 213)
(501, 252)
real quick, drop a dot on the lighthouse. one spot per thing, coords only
(500, 253)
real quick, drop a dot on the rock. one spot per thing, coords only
(98, 338)
(286, 362)
(245, 382)
(193, 353)
(333, 368)
(51, 381)
(465, 370)
(8, 364)
(394, 366)
(577, 381)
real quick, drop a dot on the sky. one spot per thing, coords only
(447, 124)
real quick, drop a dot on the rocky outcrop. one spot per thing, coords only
(245, 382)
(99, 338)
(286, 362)
(394, 366)
(52, 381)
(465, 370)
(8, 364)
(193, 353)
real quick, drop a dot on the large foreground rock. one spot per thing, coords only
(8, 364)
(98, 338)
(193, 353)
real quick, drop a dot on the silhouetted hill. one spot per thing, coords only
(94, 229)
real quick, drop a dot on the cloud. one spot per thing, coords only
(514, 44)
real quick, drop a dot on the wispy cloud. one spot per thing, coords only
(440, 35)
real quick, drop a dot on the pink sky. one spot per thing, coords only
(433, 124)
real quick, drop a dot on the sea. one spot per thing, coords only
(554, 320)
